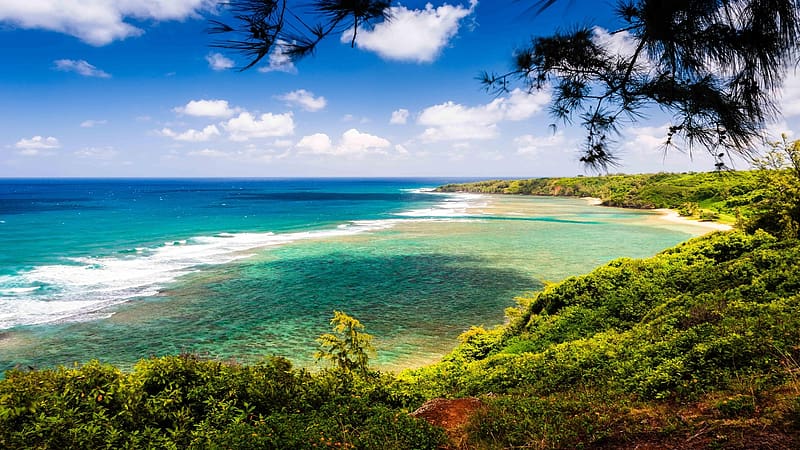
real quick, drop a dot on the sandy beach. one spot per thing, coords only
(594, 201)
(670, 215)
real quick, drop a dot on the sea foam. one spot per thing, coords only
(452, 205)
(80, 288)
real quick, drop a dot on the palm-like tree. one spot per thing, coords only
(714, 65)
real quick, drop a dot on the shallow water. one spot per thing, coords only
(416, 268)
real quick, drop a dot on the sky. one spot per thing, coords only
(134, 88)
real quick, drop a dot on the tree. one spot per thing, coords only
(267, 25)
(348, 348)
(714, 65)
(777, 209)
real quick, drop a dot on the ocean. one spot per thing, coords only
(242, 269)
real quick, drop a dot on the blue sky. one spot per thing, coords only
(117, 88)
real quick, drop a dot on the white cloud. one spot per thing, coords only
(207, 108)
(92, 123)
(317, 143)
(97, 22)
(249, 154)
(279, 61)
(619, 43)
(352, 143)
(282, 143)
(453, 121)
(37, 143)
(775, 131)
(101, 153)
(790, 98)
(209, 153)
(246, 126)
(218, 61)
(80, 67)
(192, 135)
(399, 117)
(412, 34)
(531, 145)
(304, 99)
(645, 140)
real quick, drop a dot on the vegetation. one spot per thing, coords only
(705, 196)
(696, 347)
(348, 348)
(714, 65)
(187, 402)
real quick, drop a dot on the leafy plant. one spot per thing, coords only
(348, 348)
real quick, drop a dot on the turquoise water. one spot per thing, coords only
(241, 269)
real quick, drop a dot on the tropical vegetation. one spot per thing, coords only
(695, 347)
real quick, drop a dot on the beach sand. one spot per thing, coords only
(594, 201)
(672, 216)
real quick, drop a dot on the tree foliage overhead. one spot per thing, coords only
(264, 26)
(714, 65)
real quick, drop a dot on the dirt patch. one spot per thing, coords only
(450, 414)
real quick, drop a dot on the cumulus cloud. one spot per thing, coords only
(92, 123)
(207, 108)
(619, 43)
(645, 140)
(412, 35)
(451, 121)
(399, 117)
(352, 143)
(278, 60)
(218, 61)
(317, 143)
(80, 67)
(531, 145)
(192, 135)
(246, 126)
(304, 99)
(38, 143)
(96, 22)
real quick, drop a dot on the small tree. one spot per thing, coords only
(778, 210)
(348, 348)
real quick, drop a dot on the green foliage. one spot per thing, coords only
(698, 195)
(594, 360)
(686, 321)
(348, 347)
(777, 204)
(187, 402)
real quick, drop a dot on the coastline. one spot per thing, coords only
(664, 214)
(670, 215)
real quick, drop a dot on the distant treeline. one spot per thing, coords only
(707, 195)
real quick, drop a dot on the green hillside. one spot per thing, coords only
(707, 195)
(696, 347)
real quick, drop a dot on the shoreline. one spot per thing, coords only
(663, 214)
(672, 216)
